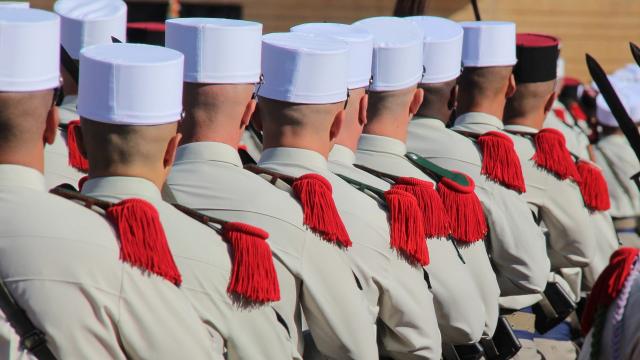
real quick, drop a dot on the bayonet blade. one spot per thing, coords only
(635, 51)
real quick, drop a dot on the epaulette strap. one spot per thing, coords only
(552, 155)
(406, 226)
(457, 191)
(500, 162)
(315, 195)
(143, 243)
(253, 274)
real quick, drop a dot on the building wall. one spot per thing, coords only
(601, 27)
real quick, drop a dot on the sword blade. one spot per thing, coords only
(617, 109)
(635, 51)
(476, 10)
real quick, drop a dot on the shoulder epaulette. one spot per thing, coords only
(552, 154)
(457, 191)
(76, 160)
(500, 162)
(315, 195)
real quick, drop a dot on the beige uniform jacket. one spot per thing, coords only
(209, 177)
(460, 320)
(516, 243)
(61, 263)
(205, 264)
(56, 156)
(629, 330)
(618, 162)
(577, 140)
(397, 293)
(557, 203)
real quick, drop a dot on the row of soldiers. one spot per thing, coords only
(399, 206)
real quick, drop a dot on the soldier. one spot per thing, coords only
(130, 105)
(460, 321)
(301, 105)
(611, 315)
(551, 177)
(618, 163)
(83, 23)
(220, 78)
(58, 260)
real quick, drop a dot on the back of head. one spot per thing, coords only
(305, 86)
(535, 76)
(129, 103)
(29, 71)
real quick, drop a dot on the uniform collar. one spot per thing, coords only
(471, 120)
(122, 186)
(383, 144)
(309, 159)
(208, 151)
(427, 121)
(521, 129)
(342, 154)
(21, 176)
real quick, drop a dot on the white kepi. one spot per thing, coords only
(360, 43)
(304, 68)
(397, 52)
(628, 94)
(130, 84)
(29, 44)
(217, 51)
(91, 22)
(14, 4)
(442, 52)
(489, 43)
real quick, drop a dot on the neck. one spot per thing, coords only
(296, 138)
(443, 116)
(32, 157)
(157, 177)
(532, 121)
(349, 134)
(489, 106)
(388, 127)
(211, 130)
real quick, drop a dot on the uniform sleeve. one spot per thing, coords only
(517, 245)
(571, 239)
(156, 321)
(605, 243)
(334, 307)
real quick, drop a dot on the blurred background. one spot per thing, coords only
(601, 27)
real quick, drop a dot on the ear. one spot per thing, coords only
(51, 126)
(453, 98)
(362, 112)
(170, 152)
(248, 114)
(336, 125)
(549, 104)
(511, 87)
(416, 101)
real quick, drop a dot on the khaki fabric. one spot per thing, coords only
(577, 140)
(460, 320)
(209, 177)
(397, 292)
(516, 244)
(56, 156)
(205, 264)
(252, 144)
(61, 263)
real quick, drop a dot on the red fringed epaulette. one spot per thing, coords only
(560, 115)
(593, 187)
(436, 220)
(500, 162)
(552, 154)
(577, 112)
(609, 284)
(315, 194)
(253, 275)
(468, 223)
(143, 242)
(76, 160)
(406, 226)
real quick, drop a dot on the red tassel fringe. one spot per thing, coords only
(320, 213)
(436, 220)
(253, 276)
(560, 115)
(576, 112)
(76, 160)
(593, 187)
(609, 284)
(406, 226)
(500, 162)
(468, 223)
(143, 243)
(553, 156)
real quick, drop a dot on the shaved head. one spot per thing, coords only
(485, 89)
(439, 100)
(384, 104)
(23, 117)
(530, 99)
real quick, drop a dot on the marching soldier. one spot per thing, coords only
(130, 105)
(83, 23)
(550, 175)
(61, 263)
(618, 163)
(220, 78)
(301, 112)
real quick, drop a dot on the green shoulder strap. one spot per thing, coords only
(434, 170)
(372, 192)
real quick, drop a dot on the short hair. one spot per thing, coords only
(480, 82)
(528, 99)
